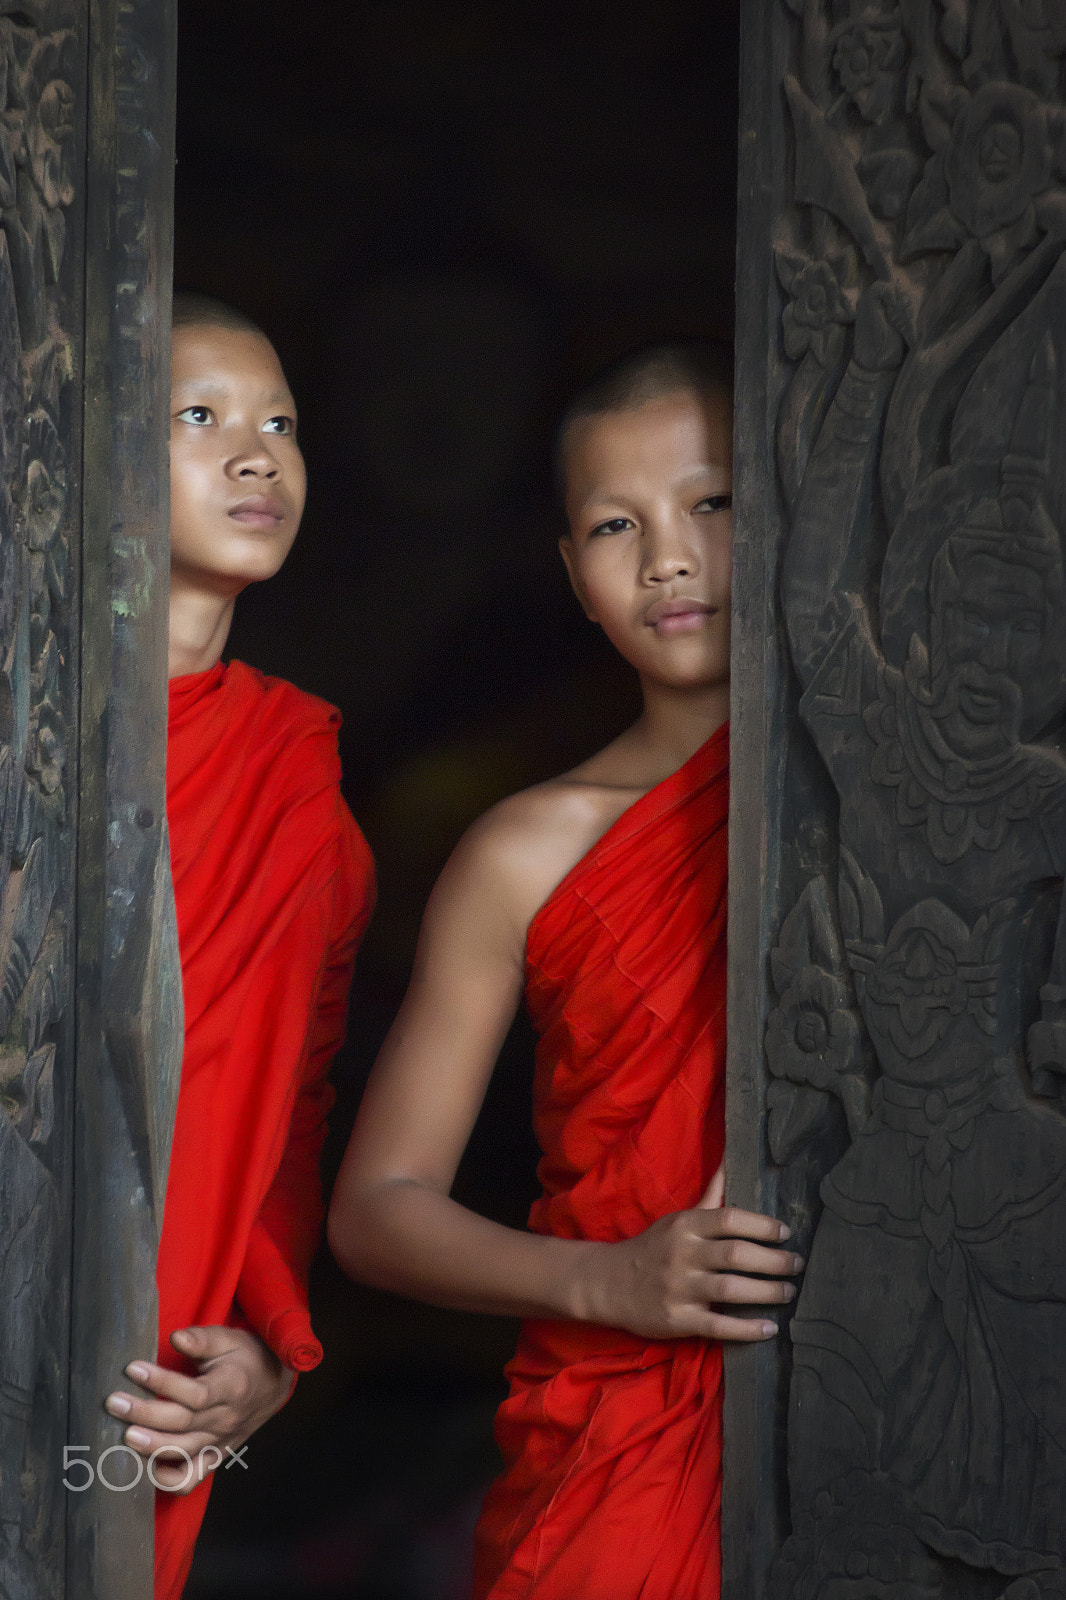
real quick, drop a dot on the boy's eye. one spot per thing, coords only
(199, 416)
(715, 502)
(282, 425)
(612, 525)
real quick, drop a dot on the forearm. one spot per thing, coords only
(407, 1237)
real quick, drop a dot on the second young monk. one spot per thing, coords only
(273, 884)
(602, 895)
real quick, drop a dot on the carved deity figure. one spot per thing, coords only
(927, 1430)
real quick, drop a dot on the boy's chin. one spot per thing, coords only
(693, 669)
(694, 680)
(241, 561)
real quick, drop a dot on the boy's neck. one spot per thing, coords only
(199, 627)
(676, 722)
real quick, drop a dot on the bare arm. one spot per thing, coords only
(392, 1221)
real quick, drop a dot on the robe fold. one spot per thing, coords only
(612, 1443)
(274, 885)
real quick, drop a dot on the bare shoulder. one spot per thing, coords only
(520, 850)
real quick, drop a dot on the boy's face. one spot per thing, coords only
(649, 497)
(237, 479)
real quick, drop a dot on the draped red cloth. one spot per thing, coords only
(612, 1443)
(274, 886)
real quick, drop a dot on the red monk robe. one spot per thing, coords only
(274, 886)
(612, 1442)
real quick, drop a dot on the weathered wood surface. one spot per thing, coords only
(129, 1027)
(898, 1022)
(84, 1104)
(42, 146)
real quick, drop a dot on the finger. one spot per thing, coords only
(739, 1330)
(717, 1288)
(724, 1287)
(715, 1194)
(729, 1222)
(164, 1415)
(738, 1255)
(146, 1441)
(191, 1392)
(707, 1322)
(203, 1344)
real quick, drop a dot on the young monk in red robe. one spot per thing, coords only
(602, 894)
(274, 886)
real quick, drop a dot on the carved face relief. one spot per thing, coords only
(988, 630)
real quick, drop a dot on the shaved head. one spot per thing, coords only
(703, 367)
(193, 310)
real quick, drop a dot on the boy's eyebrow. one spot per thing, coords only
(705, 469)
(206, 386)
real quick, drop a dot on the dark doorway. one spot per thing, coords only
(445, 215)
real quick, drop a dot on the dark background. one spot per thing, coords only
(445, 215)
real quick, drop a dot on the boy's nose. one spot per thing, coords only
(667, 555)
(662, 571)
(257, 463)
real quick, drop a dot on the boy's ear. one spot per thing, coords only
(569, 555)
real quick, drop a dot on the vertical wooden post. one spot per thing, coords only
(89, 1001)
(897, 937)
(753, 1509)
(129, 1032)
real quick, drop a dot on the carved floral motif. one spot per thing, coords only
(819, 307)
(867, 57)
(813, 1035)
(998, 178)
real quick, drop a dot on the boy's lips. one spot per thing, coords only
(681, 615)
(257, 511)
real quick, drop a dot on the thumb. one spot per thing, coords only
(715, 1190)
(202, 1344)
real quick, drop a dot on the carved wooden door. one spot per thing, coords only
(898, 1002)
(89, 1011)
